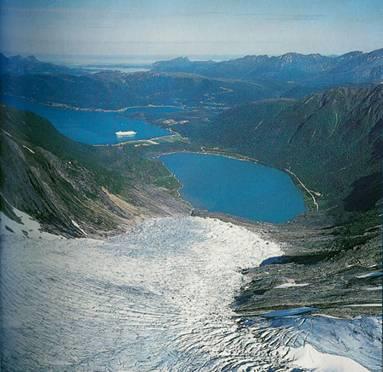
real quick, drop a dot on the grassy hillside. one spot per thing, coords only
(332, 141)
(57, 180)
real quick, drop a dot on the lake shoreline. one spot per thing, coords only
(65, 106)
(310, 199)
(239, 188)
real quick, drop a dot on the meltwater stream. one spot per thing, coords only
(157, 298)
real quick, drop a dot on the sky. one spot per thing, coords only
(189, 28)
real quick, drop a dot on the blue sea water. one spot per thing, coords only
(93, 127)
(239, 188)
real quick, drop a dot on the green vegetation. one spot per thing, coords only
(55, 179)
(115, 90)
(332, 141)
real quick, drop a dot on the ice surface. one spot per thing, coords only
(155, 298)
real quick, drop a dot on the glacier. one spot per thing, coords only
(158, 297)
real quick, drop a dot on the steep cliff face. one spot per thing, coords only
(75, 189)
(332, 140)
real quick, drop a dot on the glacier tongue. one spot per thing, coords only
(155, 298)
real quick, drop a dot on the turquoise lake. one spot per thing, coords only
(238, 188)
(94, 127)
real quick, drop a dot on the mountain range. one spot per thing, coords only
(184, 82)
(312, 69)
(19, 65)
(115, 90)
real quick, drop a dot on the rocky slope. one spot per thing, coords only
(75, 189)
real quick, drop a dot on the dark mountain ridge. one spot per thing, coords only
(114, 90)
(181, 81)
(19, 65)
(313, 69)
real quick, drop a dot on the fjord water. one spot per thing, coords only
(95, 127)
(235, 187)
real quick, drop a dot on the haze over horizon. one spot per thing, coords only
(181, 28)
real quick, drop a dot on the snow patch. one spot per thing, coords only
(30, 150)
(308, 357)
(28, 228)
(291, 283)
(370, 275)
(75, 224)
(364, 305)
